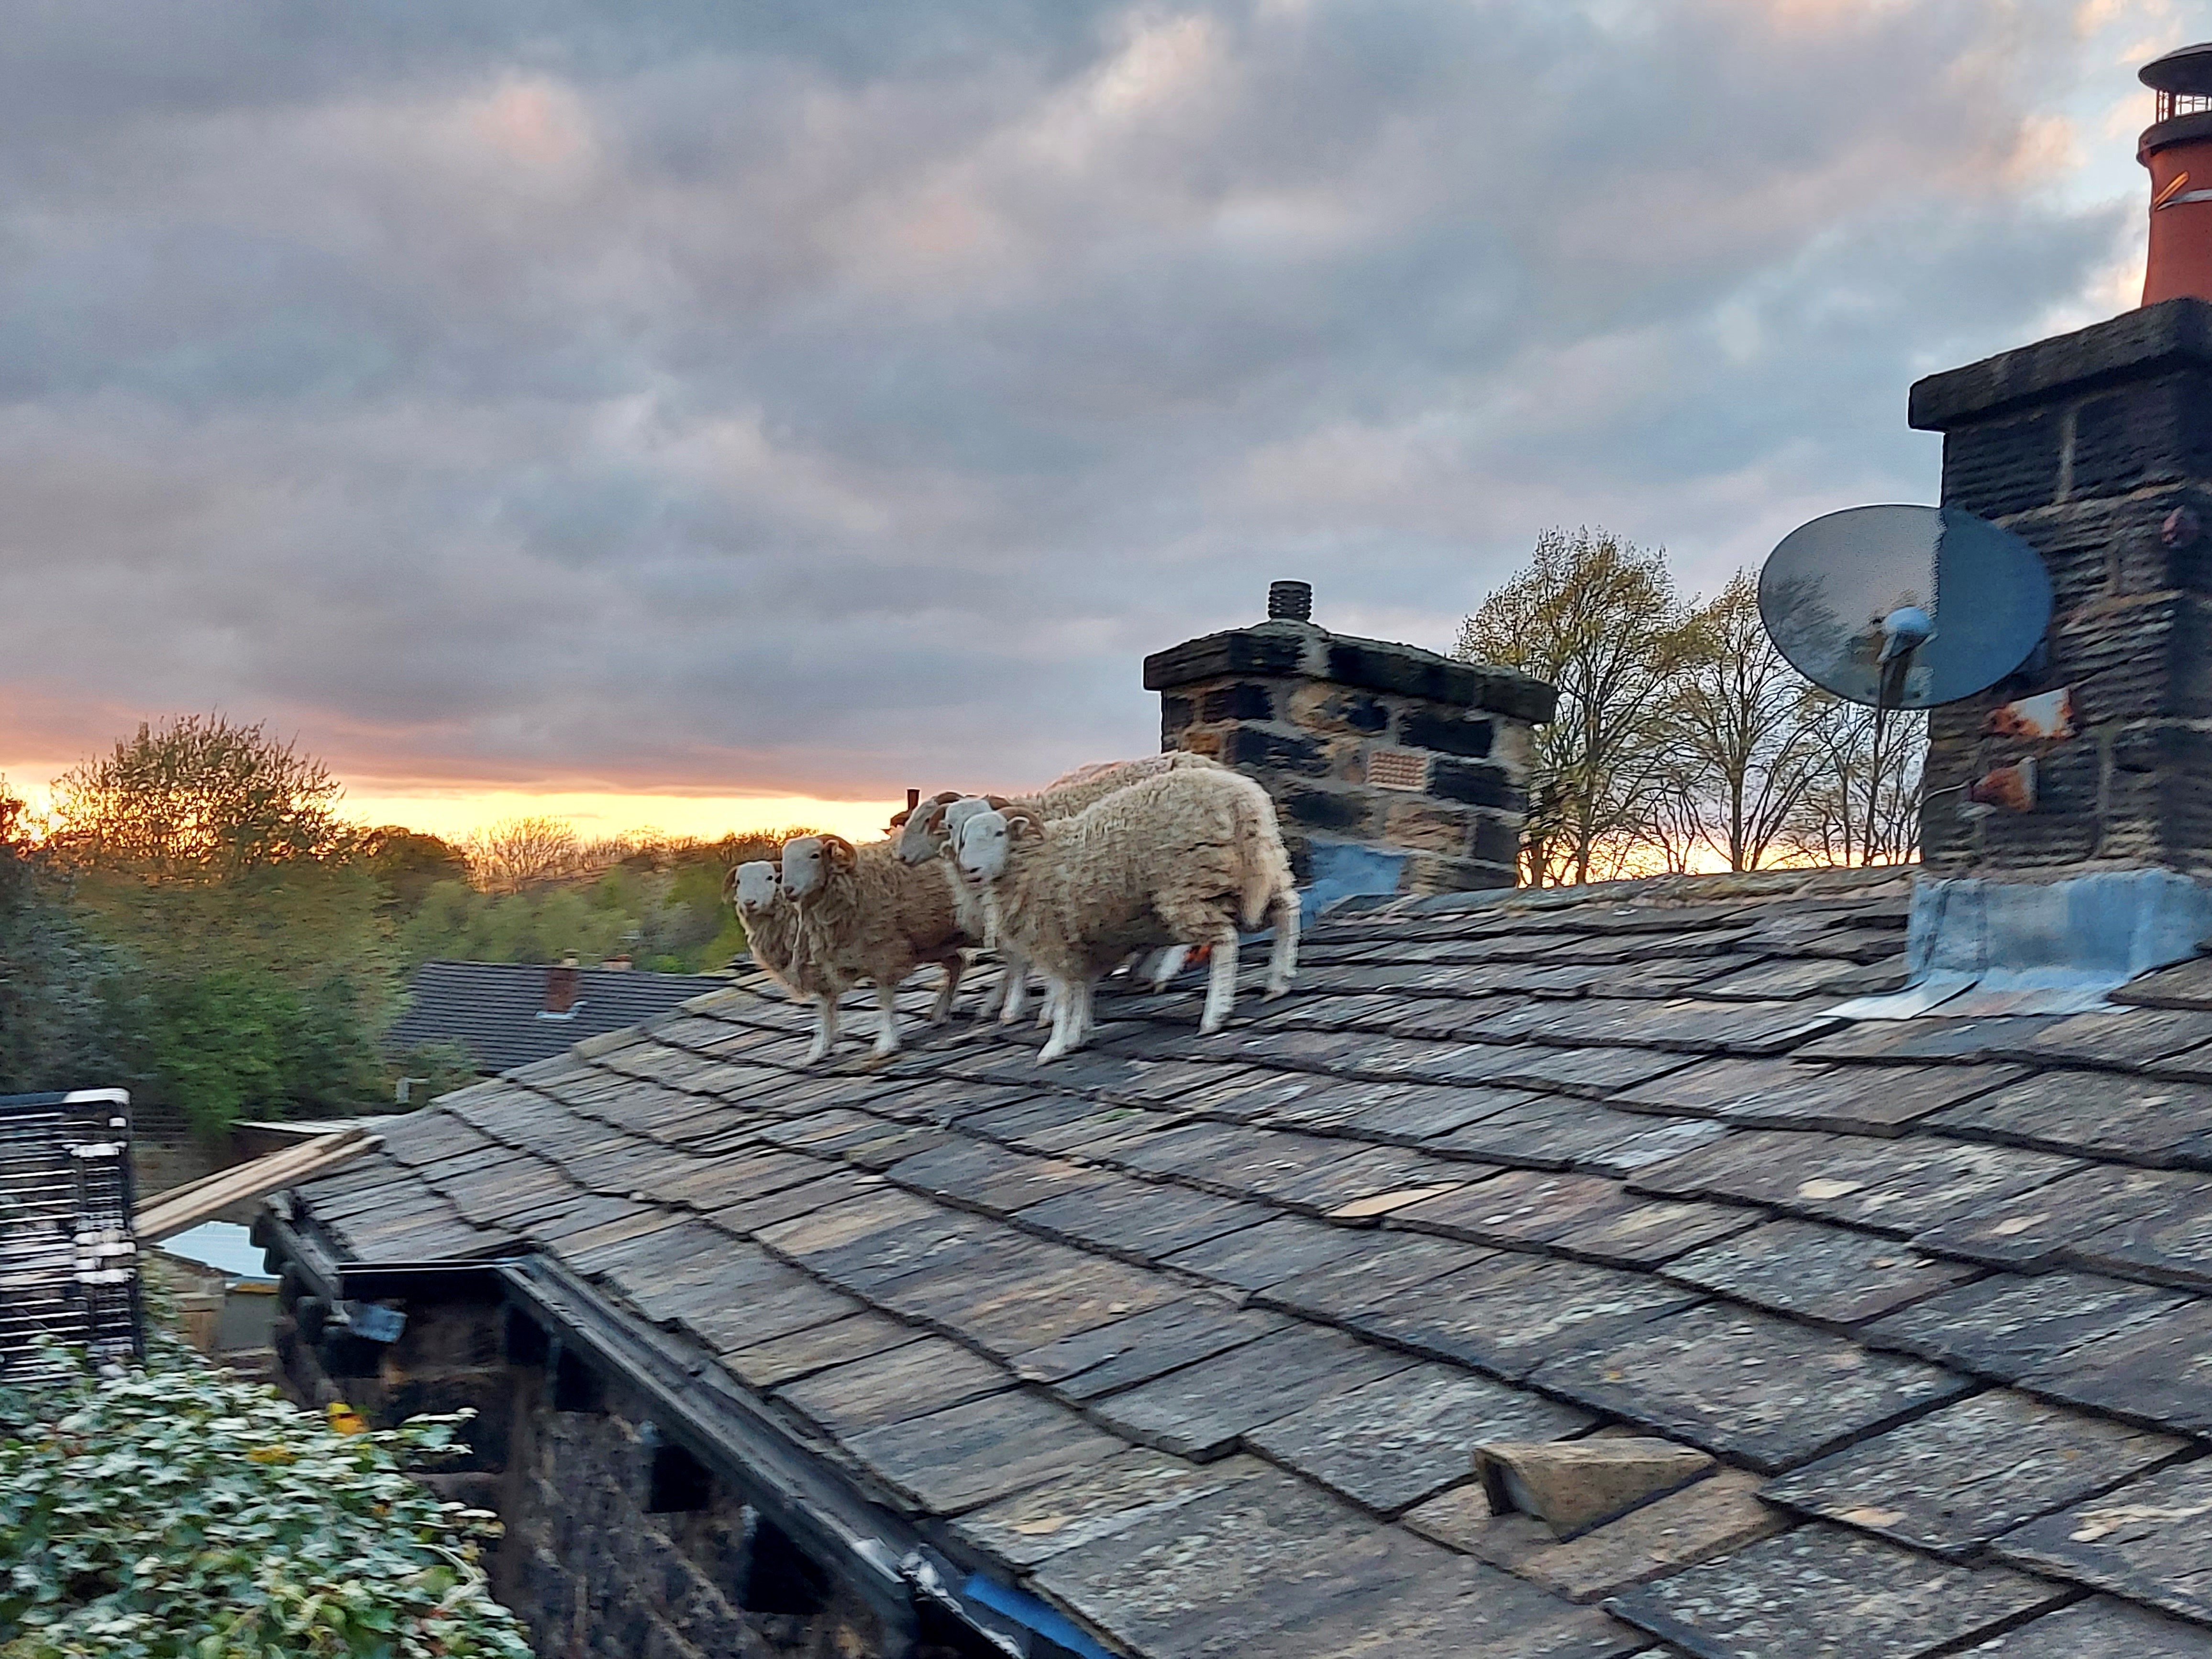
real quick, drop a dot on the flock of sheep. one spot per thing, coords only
(1166, 854)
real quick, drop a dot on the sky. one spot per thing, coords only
(698, 415)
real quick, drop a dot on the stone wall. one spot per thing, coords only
(2096, 447)
(616, 1545)
(1363, 744)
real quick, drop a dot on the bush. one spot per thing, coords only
(173, 1512)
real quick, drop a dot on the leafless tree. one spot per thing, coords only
(1861, 804)
(518, 853)
(1598, 617)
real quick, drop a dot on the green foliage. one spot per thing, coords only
(173, 1512)
(407, 864)
(63, 993)
(197, 797)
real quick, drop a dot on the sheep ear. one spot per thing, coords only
(839, 851)
(730, 883)
(899, 818)
(935, 821)
(1023, 826)
(998, 803)
(946, 797)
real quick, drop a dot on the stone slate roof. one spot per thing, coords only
(1194, 1338)
(493, 1008)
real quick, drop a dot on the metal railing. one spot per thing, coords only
(2171, 103)
(69, 1262)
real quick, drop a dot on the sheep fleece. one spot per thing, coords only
(882, 919)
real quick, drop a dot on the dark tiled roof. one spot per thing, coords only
(1194, 1337)
(494, 1008)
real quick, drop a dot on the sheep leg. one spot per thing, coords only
(825, 1028)
(1283, 958)
(1167, 964)
(1014, 985)
(1220, 985)
(887, 1037)
(1049, 1004)
(1071, 1004)
(941, 1010)
(993, 999)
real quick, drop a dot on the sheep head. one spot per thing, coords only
(921, 832)
(990, 838)
(754, 886)
(809, 863)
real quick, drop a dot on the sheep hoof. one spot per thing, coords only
(1275, 990)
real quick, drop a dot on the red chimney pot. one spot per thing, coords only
(2177, 148)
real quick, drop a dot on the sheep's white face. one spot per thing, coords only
(806, 866)
(981, 853)
(756, 886)
(921, 836)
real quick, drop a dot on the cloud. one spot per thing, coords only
(817, 400)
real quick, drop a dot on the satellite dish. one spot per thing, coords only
(1904, 607)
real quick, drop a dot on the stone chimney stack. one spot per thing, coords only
(2096, 447)
(1394, 770)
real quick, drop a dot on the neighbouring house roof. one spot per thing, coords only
(499, 1009)
(1194, 1338)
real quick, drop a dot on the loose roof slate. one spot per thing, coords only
(1193, 1337)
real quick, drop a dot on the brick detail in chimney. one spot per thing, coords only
(1364, 741)
(2089, 445)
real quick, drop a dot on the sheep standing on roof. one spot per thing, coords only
(777, 939)
(929, 830)
(1184, 858)
(868, 917)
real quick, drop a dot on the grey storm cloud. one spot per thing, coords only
(823, 398)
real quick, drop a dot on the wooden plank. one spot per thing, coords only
(174, 1211)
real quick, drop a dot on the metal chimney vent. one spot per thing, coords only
(1290, 601)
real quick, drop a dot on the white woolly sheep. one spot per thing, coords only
(777, 939)
(1184, 858)
(928, 830)
(869, 917)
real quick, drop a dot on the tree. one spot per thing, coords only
(197, 797)
(1746, 744)
(518, 853)
(1862, 803)
(1597, 617)
(408, 864)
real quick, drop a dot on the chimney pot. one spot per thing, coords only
(1290, 601)
(2176, 150)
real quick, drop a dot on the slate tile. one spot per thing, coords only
(1935, 1037)
(1245, 1094)
(874, 1260)
(1662, 1138)
(2093, 1115)
(2184, 985)
(1747, 1387)
(726, 1322)
(1124, 1352)
(1410, 1435)
(1222, 1574)
(1200, 1411)
(1141, 1220)
(756, 1215)
(2121, 1041)
(1100, 1500)
(2007, 1327)
(1655, 1230)
(1449, 1610)
(2032, 1230)
(1508, 1319)
(1899, 1188)
(1410, 1114)
(2145, 1542)
(989, 1177)
(1035, 1294)
(1788, 1094)
(1593, 1073)
(1523, 1207)
(1551, 1132)
(2171, 1244)
(917, 1378)
(799, 1353)
(1831, 1274)
(1342, 1186)
(1390, 1262)
(1256, 1257)
(1951, 1481)
(965, 1455)
(1783, 978)
(2098, 1627)
(1709, 1517)
(1822, 1593)
(2158, 1372)
(1683, 1024)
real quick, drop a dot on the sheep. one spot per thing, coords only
(1183, 857)
(777, 939)
(868, 916)
(928, 831)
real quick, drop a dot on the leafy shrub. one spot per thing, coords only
(173, 1512)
